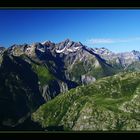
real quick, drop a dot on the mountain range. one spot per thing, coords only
(94, 87)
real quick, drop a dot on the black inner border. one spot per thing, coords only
(66, 4)
(69, 3)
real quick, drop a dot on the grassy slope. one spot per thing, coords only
(43, 73)
(111, 103)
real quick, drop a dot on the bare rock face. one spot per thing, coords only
(2, 49)
(87, 79)
(53, 89)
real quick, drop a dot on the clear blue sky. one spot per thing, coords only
(117, 30)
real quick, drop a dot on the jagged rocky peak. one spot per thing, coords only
(102, 51)
(14, 47)
(68, 46)
(30, 49)
(135, 52)
(1, 49)
(39, 46)
(70, 43)
(131, 56)
(64, 44)
(16, 50)
(48, 43)
(36, 44)
(67, 40)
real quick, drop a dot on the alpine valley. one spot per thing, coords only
(68, 86)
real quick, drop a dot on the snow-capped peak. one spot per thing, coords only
(68, 46)
(101, 51)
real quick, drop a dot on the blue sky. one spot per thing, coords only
(117, 30)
